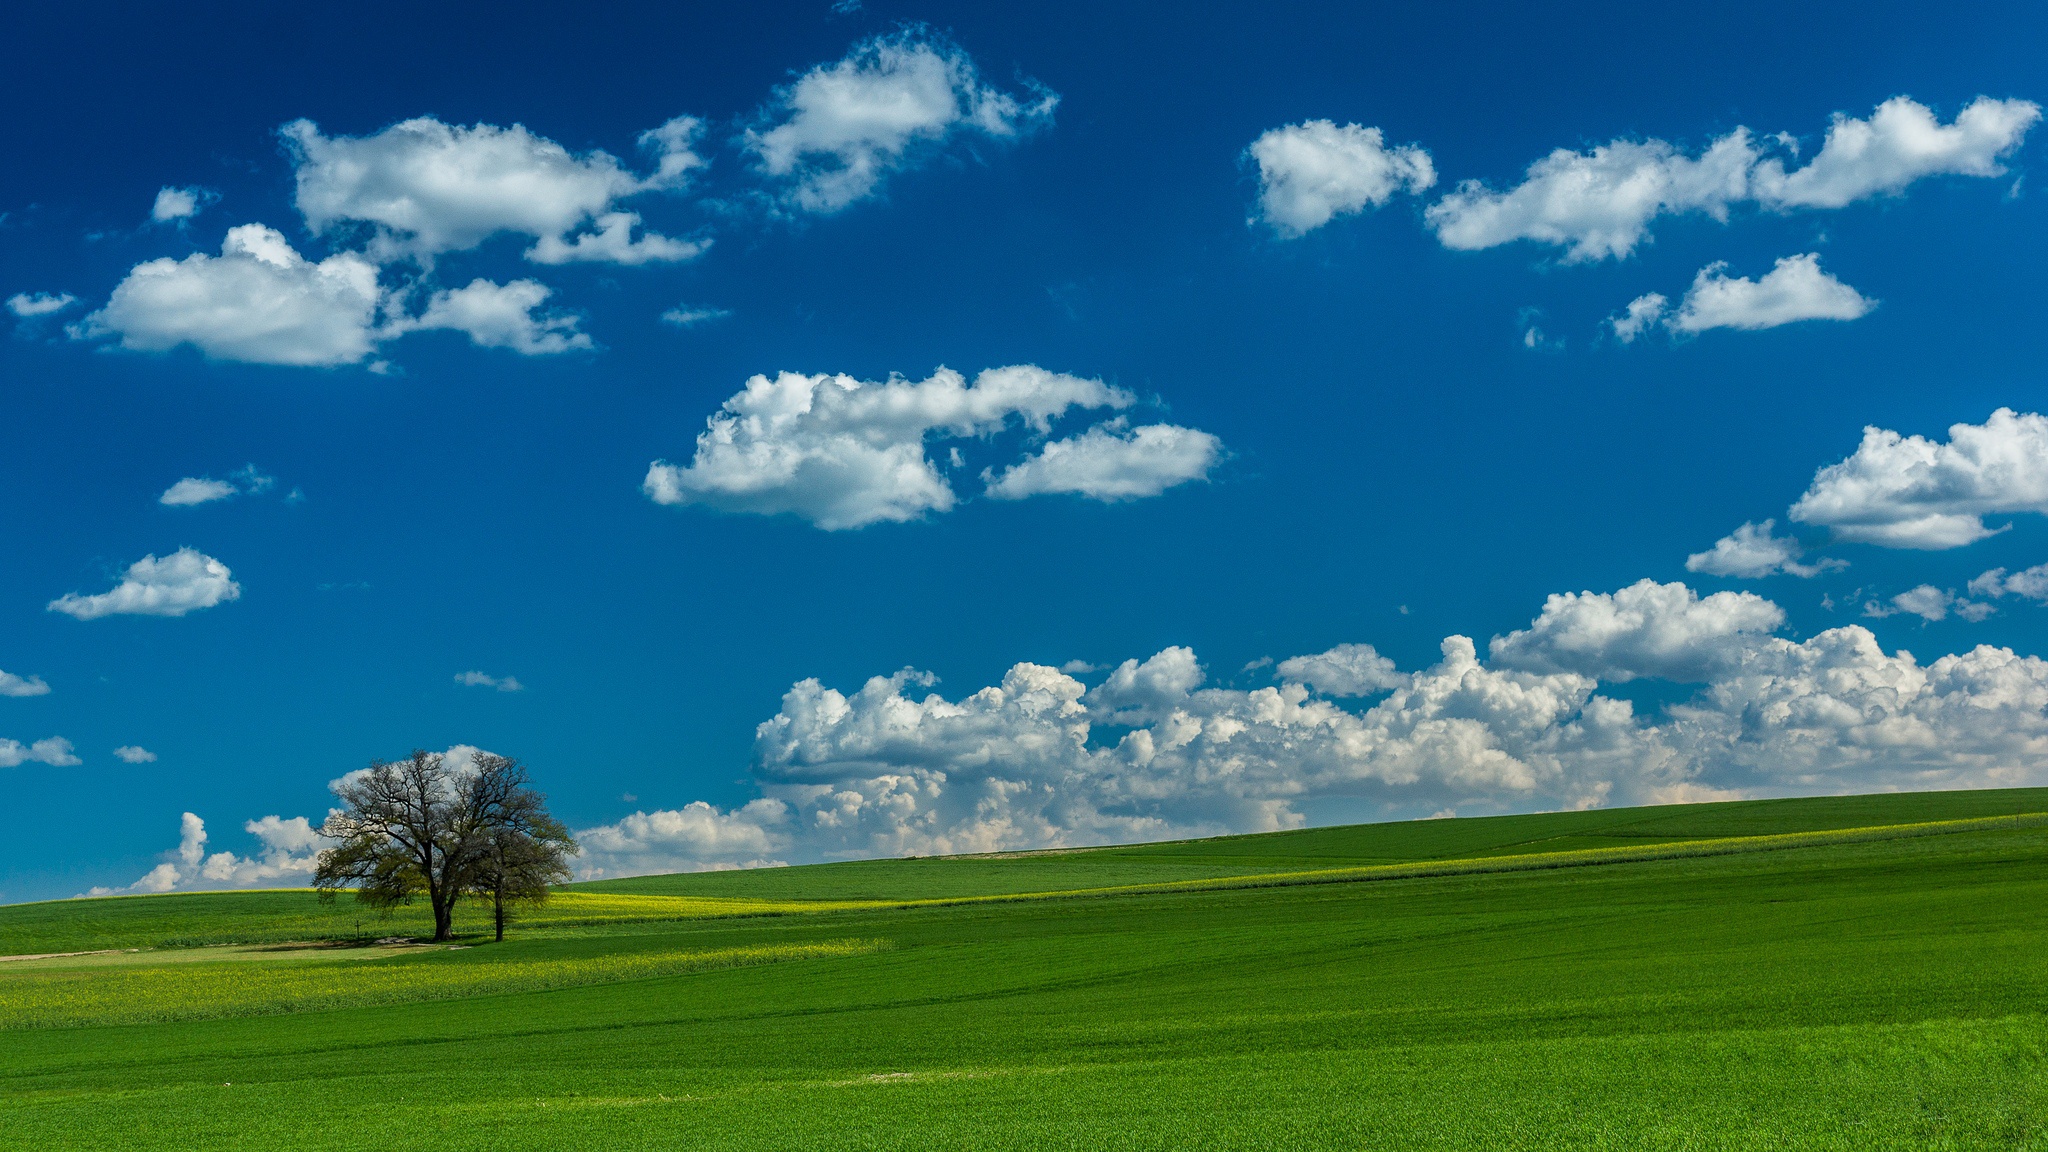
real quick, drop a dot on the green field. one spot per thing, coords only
(1852, 973)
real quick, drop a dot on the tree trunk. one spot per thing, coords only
(498, 910)
(444, 914)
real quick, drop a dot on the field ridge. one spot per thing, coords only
(1526, 862)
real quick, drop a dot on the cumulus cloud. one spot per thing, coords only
(1346, 670)
(53, 750)
(2027, 584)
(842, 453)
(174, 204)
(258, 301)
(205, 490)
(1643, 313)
(261, 302)
(196, 490)
(288, 855)
(1794, 289)
(1658, 631)
(185, 581)
(1912, 492)
(31, 305)
(1041, 760)
(831, 138)
(1902, 142)
(426, 188)
(499, 316)
(1753, 552)
(486, 680)
(1599, 203)
(612, 242)
(1314, 171)
(13, 685)
(1930, 604)
(134, 754)
(696, 837)
(1109, 463)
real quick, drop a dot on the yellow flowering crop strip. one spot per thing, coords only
(571, 908)
(50, 998)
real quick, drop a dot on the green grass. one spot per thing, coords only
(1847, 991)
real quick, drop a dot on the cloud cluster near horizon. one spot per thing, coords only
(1151, 750)
(289, 853)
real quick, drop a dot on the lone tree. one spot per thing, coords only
(426, 825)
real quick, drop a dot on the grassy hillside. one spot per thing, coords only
(1846, 990)
(1356, 844)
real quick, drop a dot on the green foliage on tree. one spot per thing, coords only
(427, 826)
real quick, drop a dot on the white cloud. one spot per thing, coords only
(613, 243)
(429, 188)
(1900, 143)
(1926, 601)
(54, 751)
(486, 680)
(174, 204)
(684, 316)
(1794, 289)
(258, 301)
(1753, 552)
(499, 316)
(1108, 463)
(1600, 203)
(28, 306)
(1597, 204)
(1659, 631)
(289, 853)
(1911, 492)
(13, 685)
(842, 453)
(831, 138)
(185, 581)
(261, 302)
(204, 489)
(134, 754)
(196, 490)
(1346, 670)
(1313, 171)
(1643, 313)
(2027, 584)
(693, 838)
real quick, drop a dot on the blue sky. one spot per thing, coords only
(1302, 389)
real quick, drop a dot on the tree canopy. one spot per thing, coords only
(440, 827)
